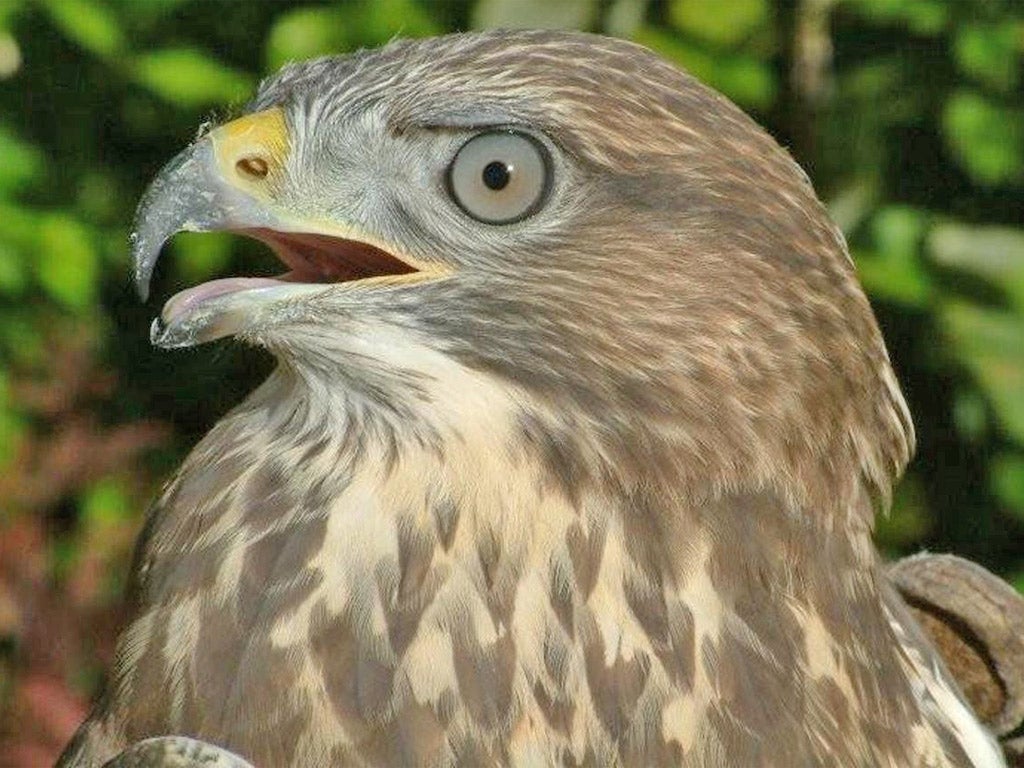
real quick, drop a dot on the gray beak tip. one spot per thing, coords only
(141, 275)
(187, 194)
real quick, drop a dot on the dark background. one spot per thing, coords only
(907, 114)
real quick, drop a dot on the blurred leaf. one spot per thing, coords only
(970, 415)
(149, 9)
(114, 247)
(746, 80)
(878, 96)
(708, 20)
(89, 23)
(106, 503)
(536, 14)
(10, 54)
(12, 432)
(190, 78)
(853, 203)
(898, 230)
(8, 8)
(11, 425)
(892, 278)
(924, 17)
(199, 256)
(67, 264)
(1008, 481)
(96, 196)
(991, 344)
(995, 253)
(22, 162)
(20, 336)
(12, 271)
(623, 17)
(989, 53)
(698, 63)
(892, 269)
(381, 20)
(303, 33)
(988, 140)
(20, 226)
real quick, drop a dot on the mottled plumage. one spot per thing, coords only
(593, 487)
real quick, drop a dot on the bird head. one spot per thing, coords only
(644, 271)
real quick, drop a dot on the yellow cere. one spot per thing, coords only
(252, 149)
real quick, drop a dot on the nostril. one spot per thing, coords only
(253, 166)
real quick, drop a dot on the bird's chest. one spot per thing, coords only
(447, 620)
(470, 611)
(417, 617)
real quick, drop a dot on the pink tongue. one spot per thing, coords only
(184, 302)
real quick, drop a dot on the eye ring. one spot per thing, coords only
(500, 176)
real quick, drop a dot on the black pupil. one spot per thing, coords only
(496, 175)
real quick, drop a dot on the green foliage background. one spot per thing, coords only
(908, 115)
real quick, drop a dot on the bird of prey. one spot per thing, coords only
(572, 453)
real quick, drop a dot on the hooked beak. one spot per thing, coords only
(227, 181)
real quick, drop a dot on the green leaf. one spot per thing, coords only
(1008, 481)
(537, 14)
(89, 23)
(20, 226)
(924, 17)
(148, 10)
(67, 264)
(854, 202)
(8, 9)
(10, 53)
(189, 78)
(989, 54)
(12, 271)
(22, 162)
(12, 431)
(991, 344)
(97, 196)
(992, 252)
(893, 279)
(987, 140)
(114, 246)
(722, 24)
(697, 62)
(623, 17)
(970, 415)
(303, 33)
(106, 502)
(892, 269)
(383, 19)
(21, 336)
(11, 424)
(744, 79)
(898, 231)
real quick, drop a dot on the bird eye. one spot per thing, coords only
(500, 177)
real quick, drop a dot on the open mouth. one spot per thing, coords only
(311, 258)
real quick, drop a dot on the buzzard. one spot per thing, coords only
(572, 453)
